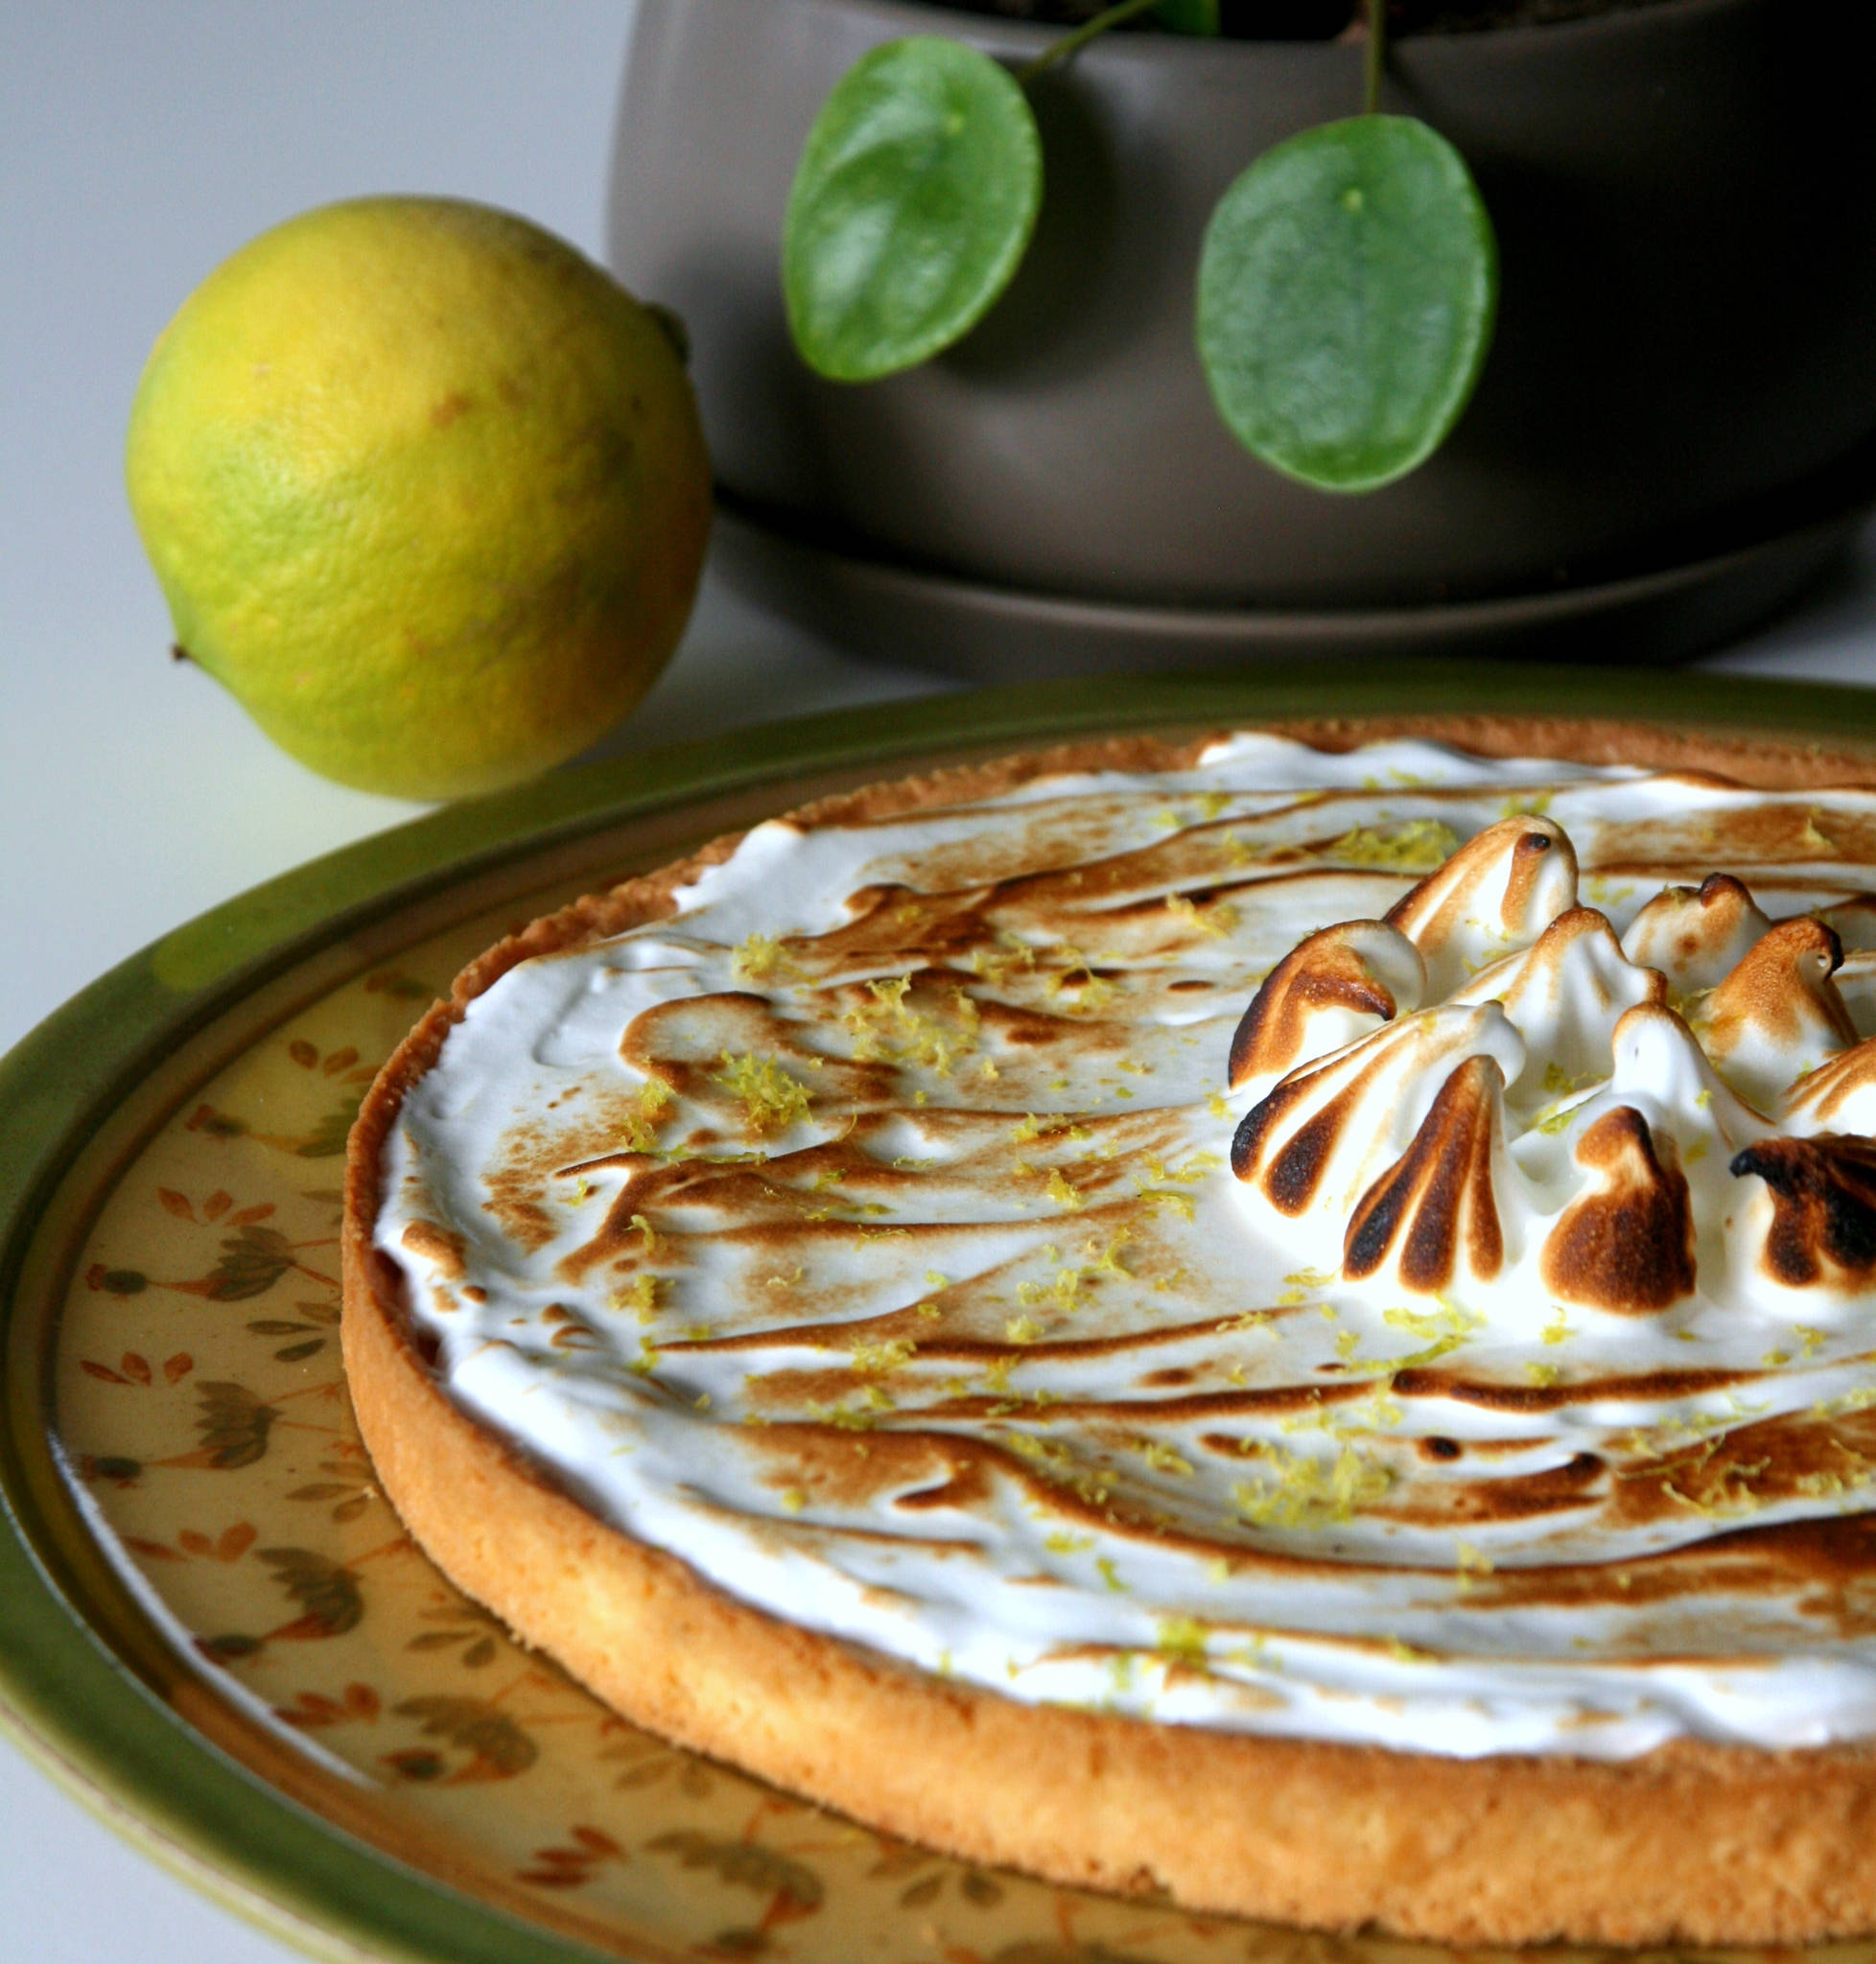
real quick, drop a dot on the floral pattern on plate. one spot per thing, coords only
(201, 1408)
(201, 1412)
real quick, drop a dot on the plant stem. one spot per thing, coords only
(1072, 44)
(1377, 54)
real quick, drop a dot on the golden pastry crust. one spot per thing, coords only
(1690, 1843)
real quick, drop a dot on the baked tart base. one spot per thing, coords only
(1691, 1842)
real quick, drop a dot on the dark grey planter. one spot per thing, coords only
(1685, 197)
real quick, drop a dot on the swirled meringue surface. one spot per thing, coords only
(867, 1234)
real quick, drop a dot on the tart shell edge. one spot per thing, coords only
(1690, 1843)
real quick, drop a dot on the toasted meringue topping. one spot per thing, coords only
(1839, 1096)
(1574, 985)
(1823, 1202)
(1569, 1009)
(1777, 1015)
(864, 1234)
(1662, 1068)
(1627, 1244)
(1433, 1215)
(1498, 891)
(1694, 936)
(1331, 988)
(1316, 1142)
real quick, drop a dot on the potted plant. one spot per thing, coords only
(1671, 429)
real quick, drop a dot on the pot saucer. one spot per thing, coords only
(906, 613)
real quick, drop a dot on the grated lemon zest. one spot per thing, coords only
(1414, 845)
(772, 1100)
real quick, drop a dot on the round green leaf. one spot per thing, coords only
(911, 207)
(1189, 16)
(1347, 292)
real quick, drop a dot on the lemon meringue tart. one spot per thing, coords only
(1284, 1318)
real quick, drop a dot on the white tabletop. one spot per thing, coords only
(141, 142)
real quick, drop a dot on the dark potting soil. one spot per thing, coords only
(1313, 20)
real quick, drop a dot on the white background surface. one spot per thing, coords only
(139, 144)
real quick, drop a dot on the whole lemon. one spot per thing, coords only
(425, 488)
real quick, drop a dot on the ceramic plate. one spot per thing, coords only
(211, 1622)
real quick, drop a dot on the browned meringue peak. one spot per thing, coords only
(1657, 1061)
(1838, 1096)
(1565, 993)
(1823, 1208)
(1627, 1244)
(1695, 1126)
(1495, 895)
(1328, 990)
(1696, 935)
(1317, 1141)
(1432, 1217)
(1777, 1015)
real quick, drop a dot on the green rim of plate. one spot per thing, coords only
(64, 1694)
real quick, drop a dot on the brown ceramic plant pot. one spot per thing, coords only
(1685, 201)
